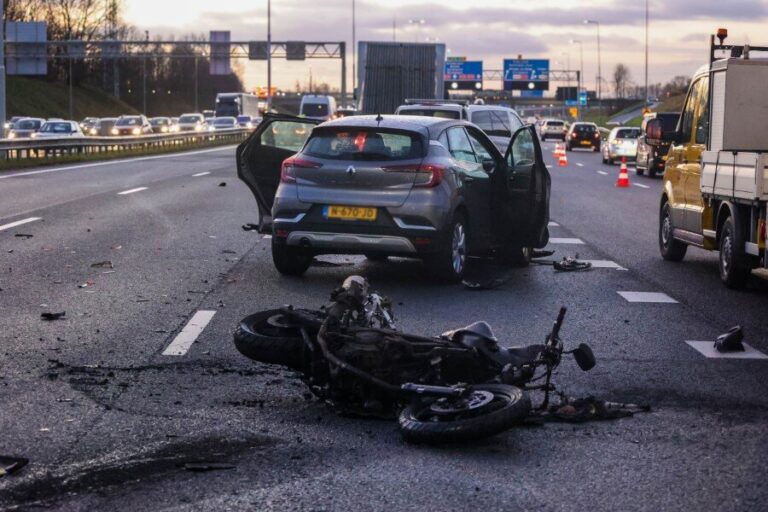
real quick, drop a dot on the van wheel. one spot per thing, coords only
(290, 261)
(450, 261)
(734, 265)
(671, 249)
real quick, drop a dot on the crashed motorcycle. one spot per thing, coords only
(459, 386)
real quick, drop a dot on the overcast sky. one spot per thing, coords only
(488, 30)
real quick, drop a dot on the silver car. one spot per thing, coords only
(424, 187)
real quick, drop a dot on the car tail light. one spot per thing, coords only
(433, 173)
(427, 175)
(288, 169)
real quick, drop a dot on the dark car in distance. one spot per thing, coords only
(423, 187)
(583, 135)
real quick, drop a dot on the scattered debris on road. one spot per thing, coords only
(102, 264)
(10, 465)
(731, 341)
(52, 316)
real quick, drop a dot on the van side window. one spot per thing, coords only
(702, 123)
(689, 110)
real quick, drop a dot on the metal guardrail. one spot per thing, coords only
(18, 149)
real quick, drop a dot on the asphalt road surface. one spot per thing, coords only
(108, 420)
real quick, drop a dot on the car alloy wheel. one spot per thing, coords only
(459, 248)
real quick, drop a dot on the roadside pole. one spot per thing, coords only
(2, 65)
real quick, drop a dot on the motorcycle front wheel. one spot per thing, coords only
(269, 337)
(488, 410)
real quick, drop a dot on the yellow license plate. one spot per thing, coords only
(350, 212)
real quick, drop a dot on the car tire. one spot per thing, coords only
(733, 262)
(671, 249)
(449, 263)
(290, 261)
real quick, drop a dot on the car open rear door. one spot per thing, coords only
(260, 156)
(527, 191)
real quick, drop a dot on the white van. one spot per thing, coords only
(317, 106)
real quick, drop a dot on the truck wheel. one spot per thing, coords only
(290, 261)
(734, 264)
(450, 261)
(671, 249)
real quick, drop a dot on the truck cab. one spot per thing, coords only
(696, 207)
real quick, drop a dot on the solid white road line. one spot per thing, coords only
(113, 162)
(201, 174)
(656, 297)
(184, 340)
(19, 223)
(605, 264)
(131, 191)
(578, 164)
(640, 185)
(603, 173)
(553, 224)
(572, 241)
(707, 349)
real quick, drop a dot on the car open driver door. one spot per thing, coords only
(260, 156)
(527, 191)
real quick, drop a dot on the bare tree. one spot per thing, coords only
(621, 78)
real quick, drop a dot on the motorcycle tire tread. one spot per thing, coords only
(469, 429)
(282, 350)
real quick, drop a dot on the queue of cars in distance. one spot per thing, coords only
(19, 127)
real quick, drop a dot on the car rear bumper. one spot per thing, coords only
(351, 242)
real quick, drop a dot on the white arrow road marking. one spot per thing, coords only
(184, 340)
(19, 223)
(131, 191)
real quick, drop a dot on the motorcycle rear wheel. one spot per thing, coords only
(267, 337)
(451, 421)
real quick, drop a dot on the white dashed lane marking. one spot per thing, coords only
(201, 174)
(605, 264)
(603, 173)
(572, 241)
(654, 297)
(184, 340)
(640, 185)
(131, 191)
(707, 349)
(19, 223)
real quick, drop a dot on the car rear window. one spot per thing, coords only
(428, 112)
(364, 144)
(628, 133)
(314, 109)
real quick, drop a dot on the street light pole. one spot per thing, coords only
(269, 55)
(599, 65)
(646, 53)
(354, 60)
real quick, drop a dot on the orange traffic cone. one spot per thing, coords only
(623, 180)
(563, 161)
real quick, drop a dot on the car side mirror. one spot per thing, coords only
(489, 165)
